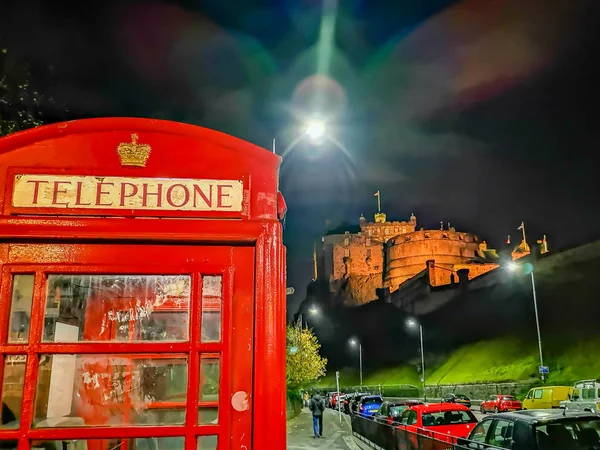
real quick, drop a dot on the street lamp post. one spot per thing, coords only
(537, 324)
(512, 267)
(354, 343)
(412, 323)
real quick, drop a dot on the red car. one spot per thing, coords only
(334, 399)
(443, 421)
(500, 403)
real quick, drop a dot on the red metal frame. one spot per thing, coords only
(252, 262)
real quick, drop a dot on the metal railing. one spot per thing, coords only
(385, 390)
(384, 436)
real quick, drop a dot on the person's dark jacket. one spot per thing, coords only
(316, 405)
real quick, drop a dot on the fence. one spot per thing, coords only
(475, 391)
(382, 436)
(396, 390)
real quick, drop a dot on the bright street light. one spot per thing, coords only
(315, 129)
(512, 266)
(313, 311)
(353, 342)
(412, 323)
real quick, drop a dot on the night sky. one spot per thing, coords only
(478, 113)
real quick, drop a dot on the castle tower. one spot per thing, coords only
(380, 217)
(413, 219)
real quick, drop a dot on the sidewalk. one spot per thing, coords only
(335, 436)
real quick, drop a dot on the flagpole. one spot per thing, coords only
(378, 202)
(523, 228)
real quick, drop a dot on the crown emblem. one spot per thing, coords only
(133, 154)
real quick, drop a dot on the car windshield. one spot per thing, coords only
(372, 400)
(396, 411)
(447, 418)
(569, 434)
(509, 398)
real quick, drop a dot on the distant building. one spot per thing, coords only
(380, 254)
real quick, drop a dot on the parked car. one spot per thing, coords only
(347, 406)
(457, 398)
(390, 412)
(329, 397)
(369, 405)
(356, 401)
(334, 399)
(584, 397)
(536, 430)
(442, 421)
(500, 403)
(546, 397)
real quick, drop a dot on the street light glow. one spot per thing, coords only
(411, 323)
(512, 266)
(313, 310)
(353, 342)
(315, 129)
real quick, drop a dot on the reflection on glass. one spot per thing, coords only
(210, 369)
(20, 309)
(12, 390)
(117, 308)
(212, 288)
(207, 443)
(109, 390)
(150, 443)
(208, 415)
(162, 416)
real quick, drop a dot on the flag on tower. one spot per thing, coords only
(521, 226)
(508, 239)
(376, 194)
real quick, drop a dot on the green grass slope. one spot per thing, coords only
(505, 359)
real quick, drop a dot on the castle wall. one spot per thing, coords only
(408, 254)
(444, 274)
(357, 255)
(386, 230)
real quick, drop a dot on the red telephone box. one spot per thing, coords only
(142, 289)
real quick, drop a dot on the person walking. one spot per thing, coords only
(317, 407)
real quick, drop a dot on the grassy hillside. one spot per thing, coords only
(498, 360)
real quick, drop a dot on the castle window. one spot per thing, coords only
(375, 267)
(403, 230)
(346, 242)
(370, 232)
(396, 230)
(368, 242)
(407, 238)
(387, 231)
(427, 236)
(368, 253)
(444, 236)
(460, 237)
(347, 253)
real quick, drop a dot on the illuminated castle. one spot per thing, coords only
(382, 254)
